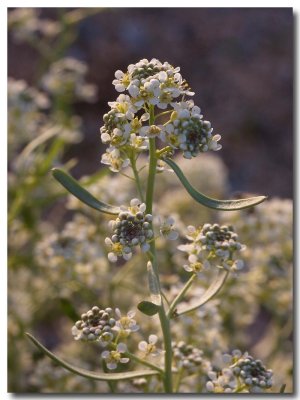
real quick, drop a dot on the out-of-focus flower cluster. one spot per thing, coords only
(26, 25)
(66, 78)
(148, 84)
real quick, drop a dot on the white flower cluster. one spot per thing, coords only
(212, 245)
(188, 132)
(244, 375)
(131, 228)
(153, 84)
(66, 78)
(26, 106)
(104, 326)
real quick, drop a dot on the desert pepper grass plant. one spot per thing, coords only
(152, 119)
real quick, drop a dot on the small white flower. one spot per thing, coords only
(117, 250)
(149, 347)
(113, 158)
(167, 229)
(126, 324)
(114, 357)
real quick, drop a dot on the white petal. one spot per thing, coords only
(133, 90)
(111, 365)
(108, 241)
(112, 257)
(188, 268)
(143, 345)
(145, 117)
(145, 247)
(105, 137)
(120, 87)
(143, 207)
(173, 235)
(134, 202)
(119, 74)
(239, 264)
(193, 258)
(105, 354)
(131, 314)
(118, 312)
(162, 76)
(127, 256)
(153, 339)
(121, 348)
(124, 360)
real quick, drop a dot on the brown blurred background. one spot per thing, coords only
(238, 61)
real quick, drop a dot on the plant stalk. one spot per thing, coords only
(164, 321)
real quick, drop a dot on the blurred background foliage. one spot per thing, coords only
(61, 63)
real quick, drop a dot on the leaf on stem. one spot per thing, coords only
(223, 205)
(213, 289)
(282, 389)
(82, 194)
(148, 308)
(153, 285)
(88, 374)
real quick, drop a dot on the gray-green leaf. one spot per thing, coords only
(87, 374)
(213, 289)
(148, 308)
(153, 285)
(82, 194)
(223, 205)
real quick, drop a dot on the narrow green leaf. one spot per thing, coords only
(148, 308)
(87, 374)
(153, 285)
(213, 289)
(282, 389)
(82, 194)
(223, 205)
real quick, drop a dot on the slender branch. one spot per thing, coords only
(162, 113)
(144, 362)
(181, 295)
(137, 178)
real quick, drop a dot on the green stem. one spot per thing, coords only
(180, 295)
(164, 321)
(162, 113)
(137, 178)
(178, 380)
(143, 362)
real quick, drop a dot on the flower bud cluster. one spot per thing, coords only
(252, 372)
(95, 324)
(212, 245)
(131, 228)
(189, 132)
(186, 356)
(244, 374)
